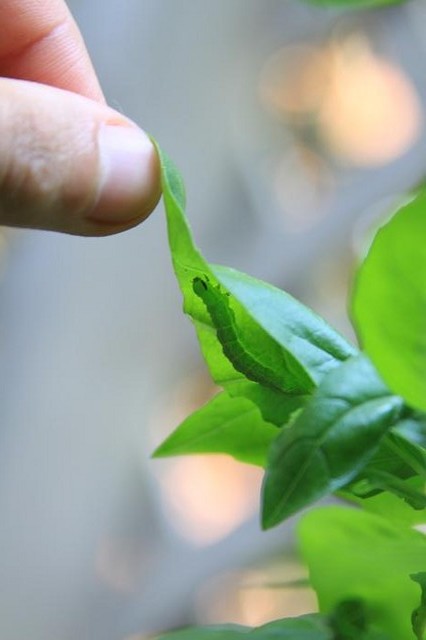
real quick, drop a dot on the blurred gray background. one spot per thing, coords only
(295, 128)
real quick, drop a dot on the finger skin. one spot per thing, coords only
(52, 169)
(62, 166)
(41, 42)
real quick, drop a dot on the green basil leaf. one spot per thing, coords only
(397, 456)
(276, 407)
(349, 621)
(309, 627)
(331, 440)
(301, 333)
(354, 554)
(190, 266)
(412, 454)
(396, 461)
(418, 617)
(389, 302)
(224, 425)
(254, 332)
(413, 429)
(261, 361)
(385, 504)
(413, 495)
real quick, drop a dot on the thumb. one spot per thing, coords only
(69, 164)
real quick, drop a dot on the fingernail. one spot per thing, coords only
(127, 175)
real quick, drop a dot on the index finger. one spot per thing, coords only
(40, 41)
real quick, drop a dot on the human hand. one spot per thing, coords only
(67, 161)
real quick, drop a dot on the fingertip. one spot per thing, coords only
(72, 165)
(129, 183)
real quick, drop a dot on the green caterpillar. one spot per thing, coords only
(223, 318)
